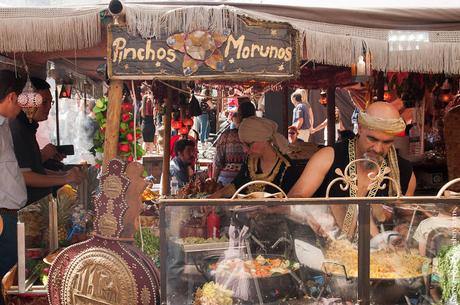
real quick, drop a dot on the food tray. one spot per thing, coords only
(205, 246)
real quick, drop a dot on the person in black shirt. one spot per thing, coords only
(268, 161)
(267, 158)
(378, 126)
(39, 181)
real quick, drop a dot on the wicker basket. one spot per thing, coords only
(452, 139)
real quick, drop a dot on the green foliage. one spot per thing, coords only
(151, 244)
(449, 270)
(100, 109)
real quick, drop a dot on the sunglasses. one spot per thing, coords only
(292, 133)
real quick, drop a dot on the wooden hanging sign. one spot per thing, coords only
(258, 50)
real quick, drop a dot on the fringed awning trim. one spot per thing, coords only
(48, 29)
(324, 42)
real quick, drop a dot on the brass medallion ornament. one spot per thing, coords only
(112, 186)
(99, 276)
(145, 296)
(108, 269)
(108, 225)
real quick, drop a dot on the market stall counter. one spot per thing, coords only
(301, 256)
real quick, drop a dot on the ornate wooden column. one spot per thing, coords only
(112, 128)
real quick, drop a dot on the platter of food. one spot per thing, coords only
(196, 244)
(385, 264)
(260, 267)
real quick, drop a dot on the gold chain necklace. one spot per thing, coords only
(352, 208)
(252, 168)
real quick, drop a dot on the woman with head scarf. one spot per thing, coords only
(267, 158)
(266, 161)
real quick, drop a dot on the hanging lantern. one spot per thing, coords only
(361, 66)
(66, 91)
(446, 94)
(445, 97)
(183, 131)
(323, 97)
(387, 94)
(188, 122)
(29, 100)
(176, 124)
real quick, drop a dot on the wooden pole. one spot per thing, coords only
(58, 136)
(285, 107)
(380, 86)
(220, 99)
(364, 260)
(112, 128)
(165, 190)
(331, 115)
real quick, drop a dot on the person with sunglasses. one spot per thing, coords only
(293, 134)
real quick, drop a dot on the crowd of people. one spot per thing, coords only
(251, 148)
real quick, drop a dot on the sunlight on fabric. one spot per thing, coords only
(407, 40)
(344, 4)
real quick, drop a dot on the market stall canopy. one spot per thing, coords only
(28, 29)
(419, 36)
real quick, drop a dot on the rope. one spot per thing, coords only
(133, 97)
(252, 95)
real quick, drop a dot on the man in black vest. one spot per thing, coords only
(378, 126)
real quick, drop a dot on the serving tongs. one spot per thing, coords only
(254, 195)
(391, 248)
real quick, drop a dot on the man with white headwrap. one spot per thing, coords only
(378, 126)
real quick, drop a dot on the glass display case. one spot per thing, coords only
(45, 228)
(307, 251)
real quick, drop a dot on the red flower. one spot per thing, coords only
(130, 158)
(125, 117)
(126, 107)
(97, 165)
(102, 129)
(130, 137)
(122, 131)
(131, 124)
(123, 147)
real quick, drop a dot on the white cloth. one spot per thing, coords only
(320, 214)
(432, 223)
(304, 134)
(13, 194)
(336, 133)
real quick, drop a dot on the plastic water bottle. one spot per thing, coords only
(174, 185)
